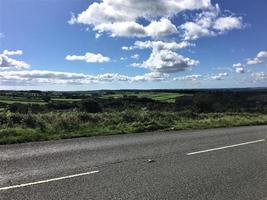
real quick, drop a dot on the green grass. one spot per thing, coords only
(18, 128)
(158, 96)
(10, 100)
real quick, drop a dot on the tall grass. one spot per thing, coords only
(16, 128)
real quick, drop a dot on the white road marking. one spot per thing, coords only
(226, 147)
(48, 180)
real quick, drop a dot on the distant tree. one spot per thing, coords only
(90, 106)
(46, 98)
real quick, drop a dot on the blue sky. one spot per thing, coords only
(77, 44)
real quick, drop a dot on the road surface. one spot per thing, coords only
(225, 163)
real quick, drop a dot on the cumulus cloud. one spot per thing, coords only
(8, 63)
(194, 77)
(220, 76)
(258, 59)
(167, 61)
(133, 29)
(162, 58)
(228, 23)
(89, 58)
(120, 18)
(209, 23)
(239, 68)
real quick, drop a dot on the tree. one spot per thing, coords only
(90, 106)
(46, 98)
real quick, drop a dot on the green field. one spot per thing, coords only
(158, 96)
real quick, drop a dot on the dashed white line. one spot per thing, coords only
(48, 180)
(225, 147)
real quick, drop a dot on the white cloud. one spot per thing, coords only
(126, 48)
(167, 61)
(228, 23)
(188, 78)
(51, 77)
(209, 23)
(220, 76)
(239, 68)
(2, 35)
(11, 53)
(133, 29)
(258, 76)
(136, 64)
(258, 59)
(162, 58)
(254, 61)
(41, 77)
(120, 18)
(152, 76)
(193, 31)
(89, 58)
(159, 45)
(10, 63)
(238, 65)
(262, 54)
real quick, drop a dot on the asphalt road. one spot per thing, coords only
(215, 164)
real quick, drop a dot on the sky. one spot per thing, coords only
(132, 44)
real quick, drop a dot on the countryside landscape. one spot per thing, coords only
(133, 100)
(35, 116)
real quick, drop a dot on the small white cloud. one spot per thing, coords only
(262, 54)
(11, 53)
(159, 45)
(126, 48)
(123, 58)
(239, 68)
(2, 35)
(258, 59)
(220, 76)
(152, 76)
(258, 76)
(72, 19)
(188, 78)
(136, 65)
(89, 58)
(9, 63)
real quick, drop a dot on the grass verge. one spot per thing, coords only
(19, 128)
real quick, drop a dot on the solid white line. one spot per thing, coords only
(47, 181)
(225, 147)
